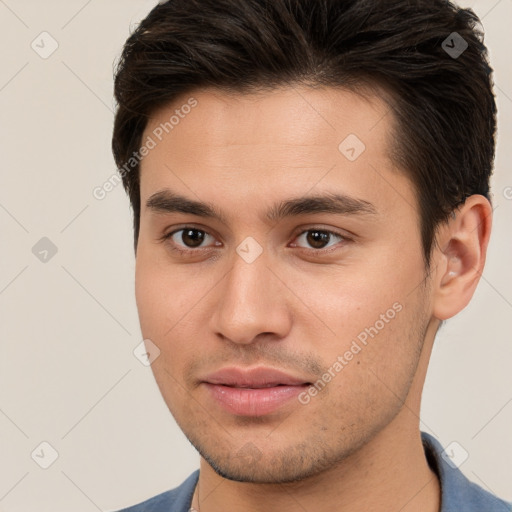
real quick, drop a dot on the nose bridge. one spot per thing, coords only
(250, 301)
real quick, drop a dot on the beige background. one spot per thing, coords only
(68, 326)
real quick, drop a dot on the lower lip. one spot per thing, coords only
(253, 402)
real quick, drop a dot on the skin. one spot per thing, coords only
(356, 445)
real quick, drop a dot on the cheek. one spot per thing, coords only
(149, 295)
(168, 300)
(162, 294)
(371, 313)
(375, 367)
(350, 298)
(162, 316)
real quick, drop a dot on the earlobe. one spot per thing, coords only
(462, 246)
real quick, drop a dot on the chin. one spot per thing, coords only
(293, 464)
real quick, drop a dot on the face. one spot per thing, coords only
(279, 271)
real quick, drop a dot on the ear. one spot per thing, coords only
(459, 257)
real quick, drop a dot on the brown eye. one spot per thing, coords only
(192, 237)
(188, 239)
(320, 239)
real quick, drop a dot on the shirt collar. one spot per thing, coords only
(457, 491)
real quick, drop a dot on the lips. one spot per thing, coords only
(253, 378)
(252, 392)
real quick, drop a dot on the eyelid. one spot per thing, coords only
(321, 230)
(343, 233)
(167, 237)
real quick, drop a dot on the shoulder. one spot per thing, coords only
(457, 491)
(175, 500)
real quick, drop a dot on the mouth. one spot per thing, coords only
(253, 392)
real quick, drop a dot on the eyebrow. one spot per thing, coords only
(167, 201)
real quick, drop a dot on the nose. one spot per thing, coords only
(252, 302)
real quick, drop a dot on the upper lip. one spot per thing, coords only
(260, 377)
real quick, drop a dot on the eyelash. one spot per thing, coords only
(173, 247)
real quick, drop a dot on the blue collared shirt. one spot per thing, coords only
(458, 494)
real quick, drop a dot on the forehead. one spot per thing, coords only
(294, 139)
(298, 116)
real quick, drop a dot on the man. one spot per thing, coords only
(310, 186)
